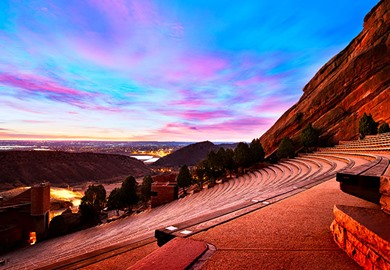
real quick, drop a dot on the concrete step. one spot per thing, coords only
(177, 254)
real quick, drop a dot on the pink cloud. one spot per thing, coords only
(106, 109)
(12, 135)
(242, 124)
(205, 66)
(18, 107)
(193, 68)
(119, 11)
(251, 81)
(116, 11)
(272, 104)
(189, 99)
(235, 128)
(36, 122)
(195, 115)
(144, 11)
(35, 83)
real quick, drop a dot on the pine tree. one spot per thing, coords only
(146, 188)
(129, 191)
(92, 204)
(184, 178)
(114, 200)
(257, 151)
(309, 137)
(286, 149)
(242, 155)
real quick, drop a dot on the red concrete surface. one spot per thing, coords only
(177, 254)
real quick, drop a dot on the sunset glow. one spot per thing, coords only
(66, 195)
(162, 70)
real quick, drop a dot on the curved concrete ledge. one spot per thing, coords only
(177, 254)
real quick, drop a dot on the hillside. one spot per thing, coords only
(353, 82)
(190, 155)
(21, 168)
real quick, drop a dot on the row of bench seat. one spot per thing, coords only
(199, 210)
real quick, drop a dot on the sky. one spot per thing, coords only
(162, 70)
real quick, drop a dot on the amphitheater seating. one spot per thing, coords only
(364, 181)
(210, 207)
(376, 143)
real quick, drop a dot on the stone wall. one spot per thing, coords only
(363, 234)
(385, 191)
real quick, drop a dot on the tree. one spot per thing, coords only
(115, 201)
(129, 191)
(125, 196)
(257, 151)
(92, 204)
(229, 162)
(309, 137)
(199, 173)
(89, 215)
(184, 178)
(384, 128)
(57, 226)
(95, 196)
(367, 125)
(242, 155)
(285, 149)
(213, 160)
(216, 163)
(146, 188)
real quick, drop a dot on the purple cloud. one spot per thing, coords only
(35, 84)
(235, 128)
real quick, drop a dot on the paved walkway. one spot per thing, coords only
(290, 234)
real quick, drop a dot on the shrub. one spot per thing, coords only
(384, 128)
(309, 137)
(285, 149)
(367, 125)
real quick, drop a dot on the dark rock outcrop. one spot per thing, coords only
(190, 155)
(353, 82)
(21, 168)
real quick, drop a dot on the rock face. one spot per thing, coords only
(21, 168)
(353, 82)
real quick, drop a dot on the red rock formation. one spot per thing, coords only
(355, 81)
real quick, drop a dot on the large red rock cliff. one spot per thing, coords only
(355, 81)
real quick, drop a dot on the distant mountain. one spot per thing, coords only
(190, 155)
(21, 168)
(354, 82)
